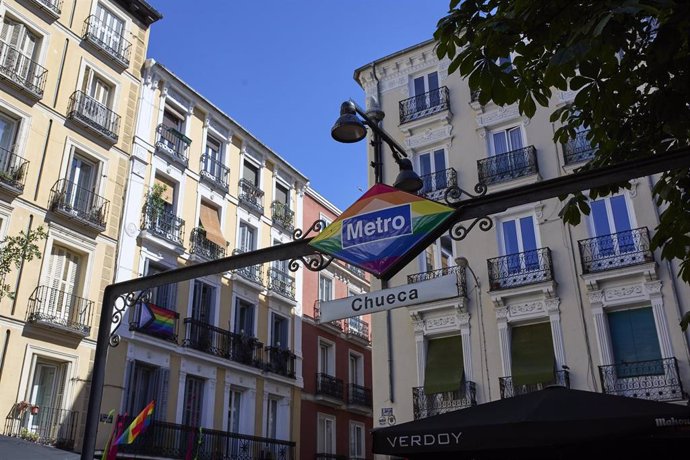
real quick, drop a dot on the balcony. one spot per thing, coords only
(520, 269)
(93, 115)
(329, 389)
(20, 71)
(155, 321)
(52, 7)
(437, 183)
(510, 389)
(357, 328)
(175, 441)
(219, 342)
(657, 380)
(214, 172)
(427, 405)
(173, 143)
(459, 272)
(424, 105)
(252, 273)
(281, 283)
(359, 396)
(337, 323)
(106, 40)
(54, 308)
(251, 196)
(283, 216)
(508, 166)
(163, 224)
(245, 349)
(280, 361)
(609, 252)
(578, 150)
(80, 204)
(203, 247)
(51, 426)
(13, 170)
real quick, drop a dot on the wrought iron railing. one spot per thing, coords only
(13, 169)
(436, 184)
(424, 105)
(358, 395)
(251, 195)
(283, 216)
(282, 283)
(459, 271)
(60, 308)
(427, 405)
(328, 385)
(173, 143)
(357, 327)
(280, 361)
(93, 114)
(204, 247)
(163, 224)
(657, 379)
(107, 39)
(219, 342)
(510, 389)
(323, 456)
(22, 71)
(53, 6)
(246, 349)
(141, 321)
(508, 166)
(79, 203)
(519, 269)
(49, 425)
(337, 323)
(215, 171)
(253, 273)
(175, 441)
(622, 249)
(579, 149)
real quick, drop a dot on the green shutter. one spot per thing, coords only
(532, 354)
(444, 365)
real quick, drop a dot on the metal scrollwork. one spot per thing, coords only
(315, 262)
(454, 194)
(316, 227)
(459, 231)
(122, 304)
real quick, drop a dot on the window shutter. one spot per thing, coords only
(169, 191)
(444, 369)
(211, 223)
(533, 360)
(634, 339)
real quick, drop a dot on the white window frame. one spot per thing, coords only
(286, 186)
(360, 366)
(518, 229)
(328, 276)
(321, 420)
(506, 130)
(425, 75)
(609, 213)
(257, 165)
(330, 350)
(233, 312)
(240, 244)
(42, 35)
(325, 218)
(357, 452)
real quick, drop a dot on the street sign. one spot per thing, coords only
(380, 228)
(443, 287)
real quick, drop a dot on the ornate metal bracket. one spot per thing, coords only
(122, 304)
(316, 262)
(454, 193)
(459, 231)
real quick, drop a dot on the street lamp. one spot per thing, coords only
(349, 128)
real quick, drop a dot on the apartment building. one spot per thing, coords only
(590, 307)
(69, 83)
(336, 400)
(220, 355)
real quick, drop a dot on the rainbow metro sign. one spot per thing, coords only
(380, 228)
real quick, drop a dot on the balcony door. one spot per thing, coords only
(426, 84)
(247, 238)
(502, 142)
(8, 132)
(214, 158)
(244, 317)
(325, 431)
(47, 391)
(110, 29)
(193, 401)
(519, 243)
(610, 222)
(16, 57)
(432, 166)
(82, 184)
(202, 303)
(279, 331)
(62, 280)
(635, 342)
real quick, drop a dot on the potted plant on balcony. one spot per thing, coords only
(155, 201)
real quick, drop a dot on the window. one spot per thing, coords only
(213, 160)
(357, 440)
(47, 391)
(272, 418)
(146, 383)
(163, 296)
(439, 377)
(609, 217)
(326, 358)
(17, 57)
(63, 279)
(8, 133)
(635, 342)
(356, 369)
(325, 431)
(519, 236)
(446, 246)
(426, 84)
(282, 194)
(98, 101)
(81, 186)
(328, 221)
(431, 169)
(250, 173)
(111, 29)
(202, 302)
(532, 358)
(325, 288)
(234, 411)
(506, 63)
(247, 237)
(244, 317)
(209, 220)
(193, 401)
(506, 140)
(173, 119)
(279, 331)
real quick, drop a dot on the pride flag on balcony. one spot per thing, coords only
(137, 426)
(157, 320)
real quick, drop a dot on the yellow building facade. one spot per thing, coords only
(69, 77)
(202, 187)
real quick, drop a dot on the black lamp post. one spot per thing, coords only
(349, 128)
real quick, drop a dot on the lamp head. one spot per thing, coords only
(461, 262)
(348, 128)
(407, 180)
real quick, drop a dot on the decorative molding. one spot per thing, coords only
(551, 305)
(653, 287)
(442, 322)
(633, 187)
(429, 136)
(497, 116)
(566, 96)
(623, 292)
(596, 297)
(526, 309)
(502, 313)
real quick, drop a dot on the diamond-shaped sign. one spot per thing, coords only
(380, 228)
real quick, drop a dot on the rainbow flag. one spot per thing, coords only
(137, 426)
(157, 320)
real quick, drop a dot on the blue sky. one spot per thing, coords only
(282, 68)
